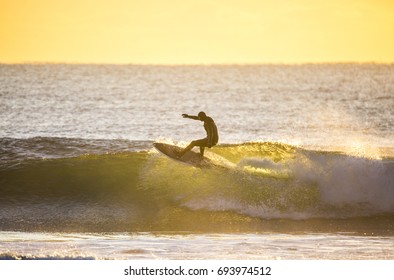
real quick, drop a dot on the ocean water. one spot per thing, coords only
(305, 162)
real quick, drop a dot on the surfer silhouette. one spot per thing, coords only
(212, 134)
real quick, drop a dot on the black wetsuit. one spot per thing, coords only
(212, 133)
(209, 141)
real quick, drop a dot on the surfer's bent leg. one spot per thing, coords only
(202, 143)
(202, 148)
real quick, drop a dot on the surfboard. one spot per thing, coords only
(191, 158)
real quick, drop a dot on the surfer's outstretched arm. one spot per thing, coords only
(190, 117)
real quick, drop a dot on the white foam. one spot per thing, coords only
(346, 185)
(348, 180)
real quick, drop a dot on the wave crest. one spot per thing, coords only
(142, 190)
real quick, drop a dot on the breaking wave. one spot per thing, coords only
(120, 185)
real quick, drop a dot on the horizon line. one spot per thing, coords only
(198, 64)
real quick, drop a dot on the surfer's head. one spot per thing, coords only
(202, 116)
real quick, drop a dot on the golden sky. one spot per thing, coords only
(196, 31)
